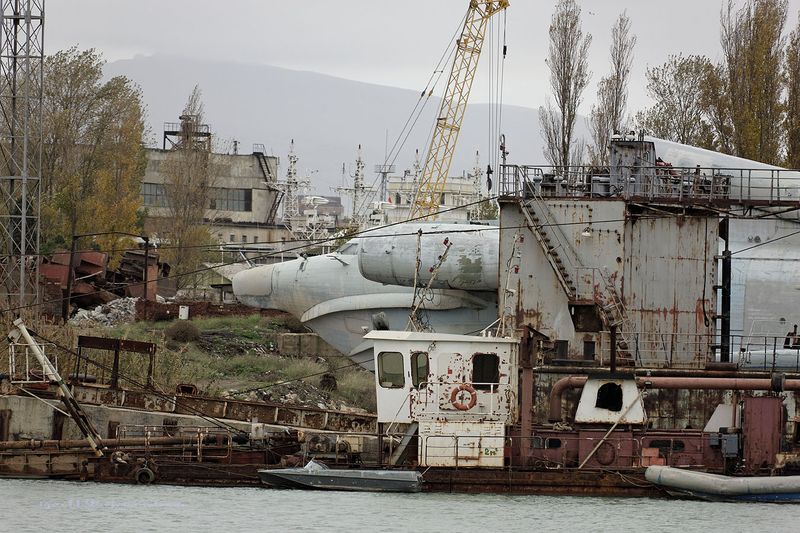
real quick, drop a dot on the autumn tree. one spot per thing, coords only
(792, 123)
(569, 75)
(188, 186)
(751, 79)
(678, 113)
(92, 155)
(608, 114)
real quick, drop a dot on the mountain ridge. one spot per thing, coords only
(328, 117)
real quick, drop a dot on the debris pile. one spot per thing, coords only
(229, 344)
(121, 311)
(89, 282)
(298, 393)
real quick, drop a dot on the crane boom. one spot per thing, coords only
(50, 372)
(454, 104)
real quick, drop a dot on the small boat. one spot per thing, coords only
(705, 486)
(317, 476)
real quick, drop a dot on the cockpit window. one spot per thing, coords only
(349, 248)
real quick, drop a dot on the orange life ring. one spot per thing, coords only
(458, 404)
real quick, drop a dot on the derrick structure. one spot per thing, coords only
(454, 104)
(291, 189)
(359, 192)
(288, 191)
(21, 74)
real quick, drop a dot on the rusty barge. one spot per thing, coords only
(620, 343)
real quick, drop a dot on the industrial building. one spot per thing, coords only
(458, 191)
(243, 201)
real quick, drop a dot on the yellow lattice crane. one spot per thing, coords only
(454, 104)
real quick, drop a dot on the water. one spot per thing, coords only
(35, 505)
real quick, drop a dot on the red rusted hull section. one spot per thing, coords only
(583, 483)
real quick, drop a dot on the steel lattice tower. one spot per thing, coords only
(21, 74)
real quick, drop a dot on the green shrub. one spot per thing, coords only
(289, 323)
(182, 331)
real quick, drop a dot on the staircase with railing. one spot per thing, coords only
(566, 265)
(614, 315)
(259, 151)
(553, 242)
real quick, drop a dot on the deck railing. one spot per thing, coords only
(191, 443)
(654, 182)
(24, 367)
(563, 450)
(766, 353)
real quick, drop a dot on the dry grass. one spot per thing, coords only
(357, 387)
(249, 365)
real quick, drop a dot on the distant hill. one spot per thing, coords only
(327, 117)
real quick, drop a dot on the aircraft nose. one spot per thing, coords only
(254, 286)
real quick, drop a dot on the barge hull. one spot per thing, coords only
(566, 483)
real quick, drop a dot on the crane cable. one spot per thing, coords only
(424, 97)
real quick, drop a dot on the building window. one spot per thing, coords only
(231, 199)
(153, 195)
(390, 370)
(233, 238)
(485, 371)
(255, 239)
(244, 238)
(419, 368)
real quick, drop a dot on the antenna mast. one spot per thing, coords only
(21, 75)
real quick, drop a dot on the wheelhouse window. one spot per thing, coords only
(485, 371)
(390, 370)
(419, 368)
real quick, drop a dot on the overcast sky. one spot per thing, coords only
(388, 42)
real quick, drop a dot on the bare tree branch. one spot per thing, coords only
(569, 75)
(608, 115)
(792, 124)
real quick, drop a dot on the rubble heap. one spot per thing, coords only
(293, 393)
(121, 311)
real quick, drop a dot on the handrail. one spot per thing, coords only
(748, 352)
(29, 364)
(556, 457)
(655, 182)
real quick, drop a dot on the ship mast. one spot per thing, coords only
(358, 193)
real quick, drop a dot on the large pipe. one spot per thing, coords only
(571, 382)
(33, 444)
(654, 382)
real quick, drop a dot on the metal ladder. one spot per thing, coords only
(612, 310)
(551, 239)
(260, 153)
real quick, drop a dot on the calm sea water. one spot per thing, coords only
(30, 505)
